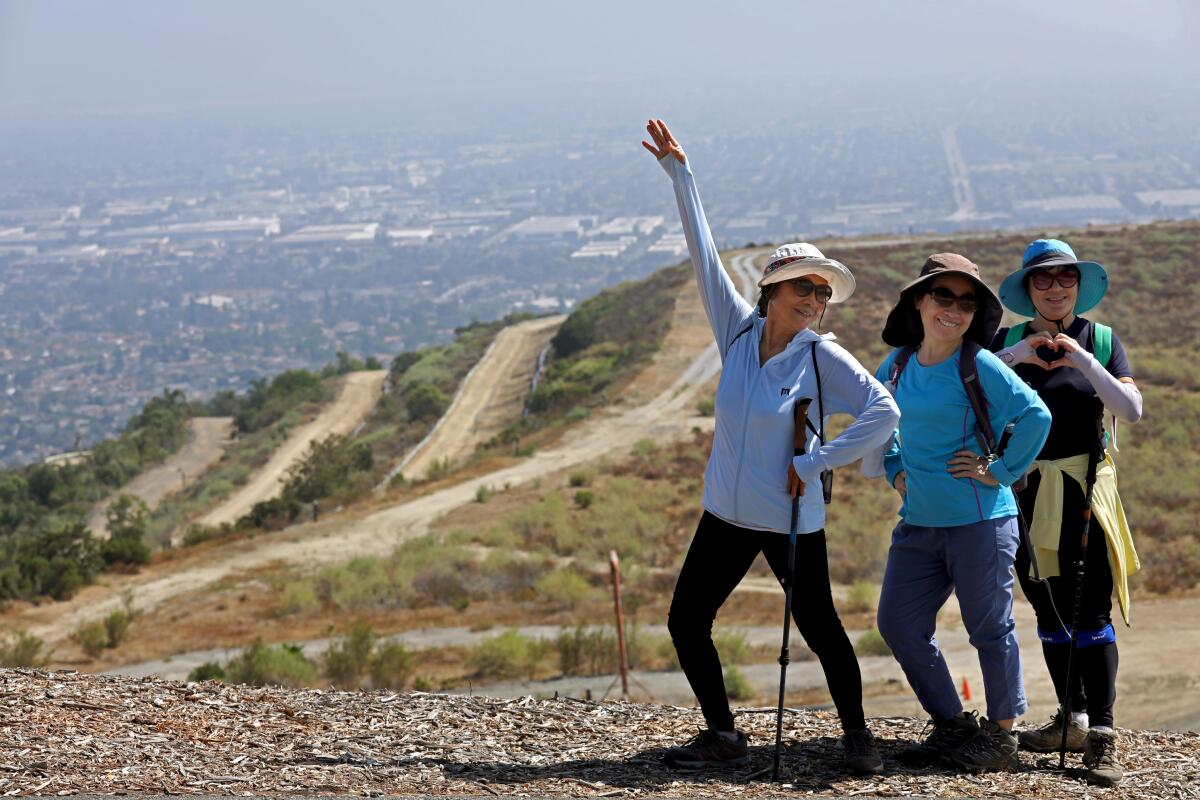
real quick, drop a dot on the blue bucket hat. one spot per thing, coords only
(1044, 254)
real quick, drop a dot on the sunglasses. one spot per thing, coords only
(946, 298)
(803, 287)
(1043, 279)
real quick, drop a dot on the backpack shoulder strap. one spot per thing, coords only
(739, 335)
(898, 364)
(968, 371)
(820, 399)
(1102, 343)
(1015, 334)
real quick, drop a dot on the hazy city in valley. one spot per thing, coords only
(201, 255)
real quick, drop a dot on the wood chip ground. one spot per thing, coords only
(66, 733)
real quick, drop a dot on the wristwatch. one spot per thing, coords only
(1007, 358)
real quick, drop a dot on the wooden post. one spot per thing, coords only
(615, 564)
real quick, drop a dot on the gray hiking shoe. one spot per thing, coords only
(709, 749)
(1100, 758)
(862, 754)
(1048, 738)
(993, 749)
(947, 734)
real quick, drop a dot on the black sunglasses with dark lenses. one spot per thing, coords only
(1043, 279)
(804, 287)
(946, 298)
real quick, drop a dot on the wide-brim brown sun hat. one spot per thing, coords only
(903, 326)
(801, 258)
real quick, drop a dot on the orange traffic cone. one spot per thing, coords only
(966, 689)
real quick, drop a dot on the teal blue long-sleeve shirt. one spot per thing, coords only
(936, 420)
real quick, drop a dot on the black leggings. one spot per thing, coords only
(718, 559)
(1094, 678)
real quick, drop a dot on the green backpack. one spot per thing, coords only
(1101, 340)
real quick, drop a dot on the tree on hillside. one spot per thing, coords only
(126, 518)
(425, 401)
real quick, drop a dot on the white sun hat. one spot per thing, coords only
(801, 258)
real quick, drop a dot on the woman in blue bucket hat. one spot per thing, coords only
(1078, 368)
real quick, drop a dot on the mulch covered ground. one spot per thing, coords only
(64, 732)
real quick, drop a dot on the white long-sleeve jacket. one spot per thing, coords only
(745, 482)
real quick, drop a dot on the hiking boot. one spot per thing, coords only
(946, 736)
(1100, 758)
(1048, 738)
(709, 749)
(993, 749)
(862, 755)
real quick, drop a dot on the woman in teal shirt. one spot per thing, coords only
(958, 528)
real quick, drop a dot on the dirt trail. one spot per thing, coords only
(207, 439)
(358, 532)
(489, 398)
(358, 396)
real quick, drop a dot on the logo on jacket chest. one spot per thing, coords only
(785, 391)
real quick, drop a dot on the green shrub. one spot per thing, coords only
(862, 597)
(509, 655)
(347, 659)
(208, 671)
(441, 585)
(281, 665)
(299, 597)
(589, 651)
(705, 406)
(577, 414)
(91, 637)
(581, 478)
(483, 494)
(512, 574)
(390, 666)
(732, 646)
(644, 447)
(216, 489)
(871, 643)
(125, 552)
(439, 469)
(665, 650)
(116, 627)
(198, 534)
(272, 515)
(22, 649)
(584, 498)
(425, 402)
(562, 587)
(736, 685)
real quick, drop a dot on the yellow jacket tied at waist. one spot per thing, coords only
(1046, 526)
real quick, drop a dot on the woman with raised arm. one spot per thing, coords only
(771, 360)
(952, 466)
(1078, 368)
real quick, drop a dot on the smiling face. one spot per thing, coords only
(796, 311)
(945, 326)
(1056, 301)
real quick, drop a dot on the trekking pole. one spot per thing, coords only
(1080, 573)
(800, 418)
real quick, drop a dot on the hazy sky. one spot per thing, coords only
(115, 55)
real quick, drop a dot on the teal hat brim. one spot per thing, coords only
(1093, 284)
